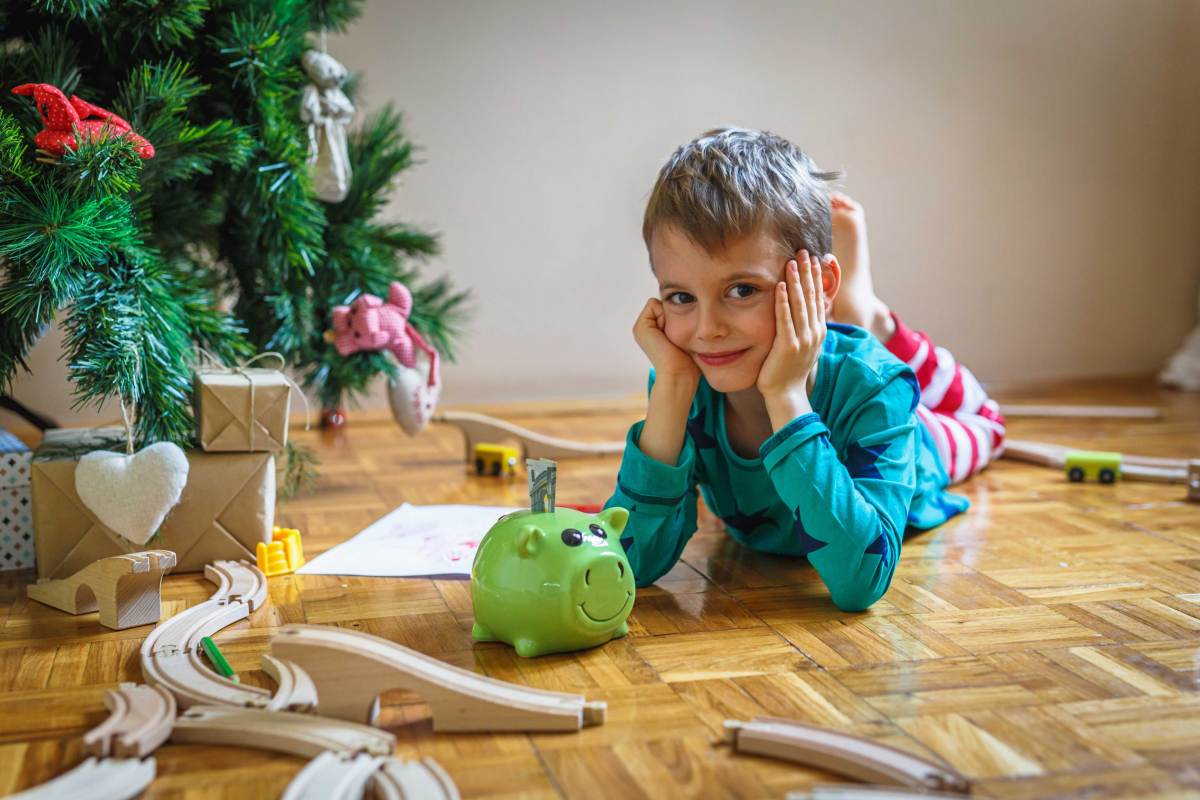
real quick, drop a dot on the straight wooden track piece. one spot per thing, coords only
(479, 428)
(858, 758)
(140, 720)
(171, 655)
(125, 589)
(282, 731)
(1143, 468)
(351, 669)
(860, 791)
(1084, 412)
(96, 779)
(408, 780)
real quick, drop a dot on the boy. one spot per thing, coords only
(806, 437)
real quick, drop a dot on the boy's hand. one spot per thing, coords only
(799, 336)
(668, 360)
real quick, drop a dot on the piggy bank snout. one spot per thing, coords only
(604, 589)
(605, 571)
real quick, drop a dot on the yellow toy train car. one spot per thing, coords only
(1097, 465)
(496, 459)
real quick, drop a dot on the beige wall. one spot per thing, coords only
(1029, 169)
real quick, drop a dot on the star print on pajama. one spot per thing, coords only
(839, 486)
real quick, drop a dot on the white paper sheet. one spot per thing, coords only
(412, 541)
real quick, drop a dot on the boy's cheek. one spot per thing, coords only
(676, 334)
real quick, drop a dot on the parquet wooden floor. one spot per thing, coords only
(1046, 644)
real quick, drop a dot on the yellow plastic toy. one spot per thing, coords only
(1097, 465)
(283, 554)
(496, 459)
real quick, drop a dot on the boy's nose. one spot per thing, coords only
(712, 325)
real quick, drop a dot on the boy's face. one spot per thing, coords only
(719, 308)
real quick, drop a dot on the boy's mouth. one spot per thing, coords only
(719, 359)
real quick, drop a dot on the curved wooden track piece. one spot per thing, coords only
(282, 731)
(479, 428)
(410, 780)
(96, 779)
(1143, 468)
(333, 776)
(859, 791)
(862, 759)
(294, 689)
(124, 589)
(347, 776)
(171, 655)
(140, 720)
(351, 669)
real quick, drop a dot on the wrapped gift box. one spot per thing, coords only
(241, 410)
(227, 507)
(16, 507)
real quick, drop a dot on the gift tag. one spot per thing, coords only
(414, 393)
(132, 493)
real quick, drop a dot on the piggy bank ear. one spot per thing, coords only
(615, 518)
(529, 541)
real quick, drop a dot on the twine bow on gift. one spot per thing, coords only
(212, 363)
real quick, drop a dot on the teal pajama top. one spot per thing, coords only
(839, 486)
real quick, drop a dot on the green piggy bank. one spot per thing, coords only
(552, 582)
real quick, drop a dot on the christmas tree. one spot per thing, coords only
(218, 241)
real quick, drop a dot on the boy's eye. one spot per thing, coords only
(680, 298)
(743, 290)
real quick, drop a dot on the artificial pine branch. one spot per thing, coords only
(142, 257)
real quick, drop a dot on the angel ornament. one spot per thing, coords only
(327, 111)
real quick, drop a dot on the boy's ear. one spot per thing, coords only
(831, 276)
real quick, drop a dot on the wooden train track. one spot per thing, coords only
(351, 669)
(1143, 468)
(124, 589)
(856, 757)
(171, 655)
(282, 731)
(402, 780)
(479, 428)
(1080, 412)
(859, 791)
(140, 720)
(96, 779)
(343, 776)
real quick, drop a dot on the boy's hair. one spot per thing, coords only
(732, 182)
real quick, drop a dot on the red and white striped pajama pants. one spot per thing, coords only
(966, 424)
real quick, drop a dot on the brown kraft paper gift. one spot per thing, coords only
(227, 507)
(241, 410)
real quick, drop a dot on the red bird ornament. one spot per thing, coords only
(63, 117)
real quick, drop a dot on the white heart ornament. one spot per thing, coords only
(414, 394)
(132, 494)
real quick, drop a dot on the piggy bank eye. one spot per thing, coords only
(572, 537)
(596, 529)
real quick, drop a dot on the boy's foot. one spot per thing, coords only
(856, 302)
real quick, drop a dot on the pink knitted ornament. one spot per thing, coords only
(371, 324)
